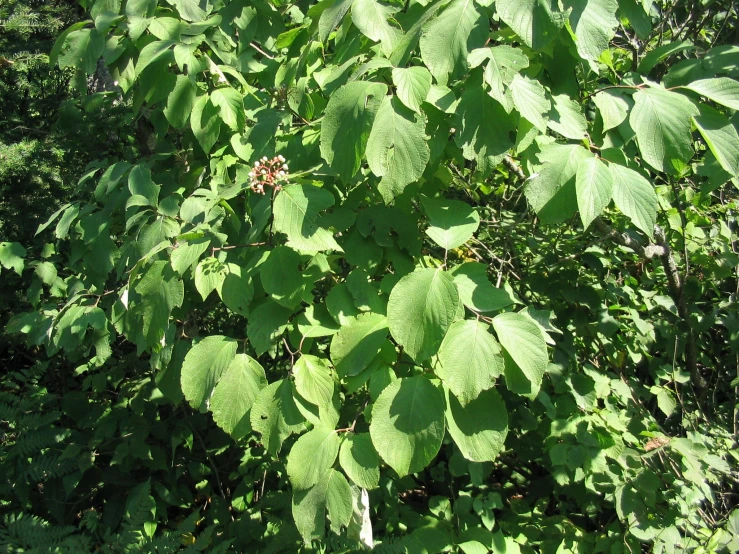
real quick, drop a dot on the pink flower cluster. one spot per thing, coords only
(268, 173)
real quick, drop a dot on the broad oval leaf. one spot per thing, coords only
(451, 222)
(358, 341)
(203, 366)
(296, 210)
(312, 456)
(313, 380)
(594, 186)
(235, 393)
(331, 494)
(537, 22)
(360, 461)
(479, 428)
(275, 416)
(422, 306)
(412, 85)
(476, 291)
(635, 197)
(408, 424)
(525, 344)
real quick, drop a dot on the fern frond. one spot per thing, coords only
(35, 441)
(50, 466)
(23, 531)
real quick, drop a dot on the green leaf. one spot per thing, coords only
(408, 424)
(422, 306)
(275, 416)
(331, 494)
(82, 50)
(203, 366)
(236, 290)
(209, 276)
(61, 41)
(313, 380)
(530, 99)
(156, 293)
(371, 18)
(266, 324)
(483, 129)
(721, 137)
(347, 123)
(407, 43)
(594, 23)
(451, 222)
(594, 185)
(11, 256)
(721, 90)
(412, 86)
(296, 210)
(613, 108)
(537, 22)
(151, 53)
(480, 427)
(661, 121)
(281, 277)
(660, 53)
(358, 341)
(476, 291)
(331, 17)
(524, 342)
(190, 10)
(635, 197)
(180, 102)
(359, 460)
(397, 150)
(140, 183)
(205, 122)
(470, 360)
(665, 400)
(448, 38)
(312, 456)
(504, 64)
(235, 393)
(231, 107)
(567, 119)
(551, 192)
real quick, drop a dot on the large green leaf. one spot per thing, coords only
(449, 37)
(153, 52)
(359, 460)
(408, 424)
(451, 222)
(551, 191)
(397, 150)
(235, 393)
(613, 108)
(525, 344)
(504, 64)
(412, 85)
(476, 291)
(721, 137)
(529, 98)
(594, 185)
(275, 416)
(266, 324)
(313, 379)
(296, 210)
(312, 456)
(203, 367)
(567, 119)
(331, 494)
(594, 23)
(635, 197)
(205, 122)
(82, 49)
(156, 293)
(347, 123)
(479, 428)
(231, 107)
(281, 277)
(180, 102)
(721, 90)
(407, 43)
(371, 18)
(11, 256)
(470, 360)
(236, 290)
(332, 16)
(422, 306)
(537, 22)
(483, 128)
(358, 341)
(661, 120)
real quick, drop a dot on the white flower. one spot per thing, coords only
(264, 172)
(264, 158)
(281, 173)
(281, 158)
(284, 166)
(256, 164)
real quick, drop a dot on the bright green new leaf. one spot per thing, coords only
(613, 108)
(275, 416)
(231, 107)
(451, 222)
(480, 427)
(635, 197)
(296, 209)
(347, 123)
(236, 290)
(397, 150)
(448, 39)
(372, 18)
(180, 102)
(11, 256)
(537, 22)
(422, 306)
(235, 393)
(567, 119)
(359, 460)
(721, 137)
(412, 86)
(151, 53)
(82, 49)
(470, 360)
(526, 345)
(594, 186)
(476, 291)
(408, 424)
(313, 379)
(530, 99)
(331, 494)
(312, 456)
(140, 183)
(594, 23)
(661, 120)
(551, 191)
(205, 122)
(209, 276)
(203, 367)
(358, 341)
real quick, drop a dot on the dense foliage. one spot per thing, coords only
(423, 276)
